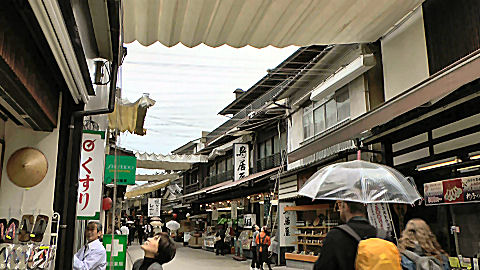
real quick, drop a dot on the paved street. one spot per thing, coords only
(198, 259)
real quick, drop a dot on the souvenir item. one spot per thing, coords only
(11, 231)
(27, 167)
(3, 228)
(39, 228)
(25, 228)
(5, 250)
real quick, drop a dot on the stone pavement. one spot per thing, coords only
(198, 259)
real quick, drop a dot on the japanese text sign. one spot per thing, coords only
(288, 221)
(459, 190)
(125, 169)
(241, 160)
(379, 217)
(91, 175)
(154, 207)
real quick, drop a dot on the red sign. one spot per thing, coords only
(459, 190)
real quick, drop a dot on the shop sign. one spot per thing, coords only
(91, 175)
(154, 207)
(241, 160)
(119, 250)
(124, 170)
(288, 219)
(459, 190)
(234, 210)
(379, 217)
(249, 220)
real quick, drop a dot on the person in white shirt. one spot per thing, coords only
(92, 256)
(124, 229)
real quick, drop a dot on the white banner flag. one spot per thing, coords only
(378, 216)
(92, 167)
(234, 210)
(241, 160)
(154, 207)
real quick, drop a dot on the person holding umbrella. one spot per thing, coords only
(353, 185)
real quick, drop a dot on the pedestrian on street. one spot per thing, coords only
(263, 242)
(92, 256)
(140, 232)
(220, 241)
(238, 242)
(418, 241)
(158, 250)
(340, 249)
(253, 247)
(148, 230)
(131, 234)
(124, 229)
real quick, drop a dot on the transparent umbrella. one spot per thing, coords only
(173, 225)
(360, 181)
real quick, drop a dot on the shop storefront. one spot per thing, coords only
(438, 147)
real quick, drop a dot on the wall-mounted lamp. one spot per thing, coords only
(469, 169)
(474, 155)
(438, 163)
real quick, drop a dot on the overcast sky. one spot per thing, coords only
(190, 86)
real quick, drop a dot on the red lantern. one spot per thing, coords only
(106, 203)
(174, 216)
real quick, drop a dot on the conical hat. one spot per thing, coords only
(27, 167)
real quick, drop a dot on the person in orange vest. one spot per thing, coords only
(263, 242)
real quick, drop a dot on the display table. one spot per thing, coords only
(196, 240)
(209, 242)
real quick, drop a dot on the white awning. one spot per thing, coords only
(260, 23)
(146, 188)
(168, 162)
(156, 177)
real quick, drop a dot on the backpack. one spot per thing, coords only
(374, 253)
(261, 243)
(423, 262)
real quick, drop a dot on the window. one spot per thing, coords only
(212, 169)
(268, 147)
(308, 122)
(330, 113)
(229, 164)
(276, 144)
(261, 150)
(318, 117)
(343, 105)
(222, 166)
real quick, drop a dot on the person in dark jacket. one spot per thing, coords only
(340, 249)
(220, 244)
(159, 250)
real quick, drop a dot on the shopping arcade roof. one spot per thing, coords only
(260, 23)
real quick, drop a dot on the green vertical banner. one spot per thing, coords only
(119, 249)
(125, 169)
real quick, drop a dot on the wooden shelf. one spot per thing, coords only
(309, 235)
(307, 207)
(308, 244)
(313, 227)
(300, 257)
